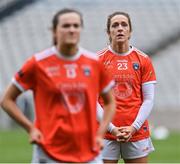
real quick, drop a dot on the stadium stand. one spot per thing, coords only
(156, 30)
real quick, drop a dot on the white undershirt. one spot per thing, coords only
(144, 111)
(147, 105)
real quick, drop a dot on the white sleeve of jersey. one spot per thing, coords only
(100, 113)
(147, 105)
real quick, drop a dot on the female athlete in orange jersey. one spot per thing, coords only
(134, 93)
(66, 81)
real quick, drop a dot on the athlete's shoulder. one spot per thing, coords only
(44, 54)
(88, 54)
(102, 52)
(140, 53)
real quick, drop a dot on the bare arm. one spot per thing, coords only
(100, 113)
(109, 111)
(8, 103)
(144, 111)
(111, 128)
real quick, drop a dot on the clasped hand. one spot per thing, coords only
(123, 133)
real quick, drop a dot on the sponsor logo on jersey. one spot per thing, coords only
(53, 71)
(150, 73)
(124, 60)
(136, 66)
(108, 64)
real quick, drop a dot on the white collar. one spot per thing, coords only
(64, 57)
(121, 54)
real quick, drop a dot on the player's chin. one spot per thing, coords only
(72, 42)
(120, 41)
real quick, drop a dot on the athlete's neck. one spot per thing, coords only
(120, 48)
(67, 50)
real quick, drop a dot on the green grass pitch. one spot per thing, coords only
(14, 147)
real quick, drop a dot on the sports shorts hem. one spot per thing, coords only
(114, 150)
(140, 156)
(110, 158)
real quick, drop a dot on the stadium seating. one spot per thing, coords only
(154, 21)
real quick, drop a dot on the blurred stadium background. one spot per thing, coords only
(25, 29)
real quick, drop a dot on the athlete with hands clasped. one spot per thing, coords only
(133, 72)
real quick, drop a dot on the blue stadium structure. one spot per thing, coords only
(26, 29)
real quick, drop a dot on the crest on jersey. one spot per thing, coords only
(86, 70)
(73, 97)
(20, 73)
(123, 90)
(145, 128)
(136, 66)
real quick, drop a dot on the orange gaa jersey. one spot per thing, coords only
(130, 71)
(65, 94)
